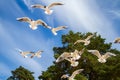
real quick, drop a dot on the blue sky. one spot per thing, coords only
(102, 16)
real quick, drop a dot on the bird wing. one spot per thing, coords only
(76, 72)
(24, 19)
(27, 52)
(41, 22)
(18, 49)
(95, 52)
(64, 76)
(81, 52)
(78, 41)
(38, 6)
(117, 40)
(89, 37)
(54, 4)
(39, 52)
(60, 28)
(108, 54)
(63, 56)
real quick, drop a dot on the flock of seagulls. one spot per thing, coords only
(71, 57)
(33, 24)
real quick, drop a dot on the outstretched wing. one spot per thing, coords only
(76, 72)
(64, 76)
(38, 6)
(41, 22)
(78, 41)
(95, 52)
(60, 28)
(108, 54)
(89, 37)
(63, 56)
(117, 40)
(55, 4)
(81, 52)
(24, 19)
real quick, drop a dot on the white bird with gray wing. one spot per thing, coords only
(85, 41)
(101, 58)
(47, 9)
(73, 74)
(33, 24)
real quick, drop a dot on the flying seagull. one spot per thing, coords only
(101, 58)
(85, 41)
(24, 53)
(47, 9)
(63, 56)
(73, 74)
(33, 24)
(54, 30)
(117, 40)
(37, 54)
(77, 54)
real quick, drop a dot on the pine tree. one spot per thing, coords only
(21, 74)
(93, 70)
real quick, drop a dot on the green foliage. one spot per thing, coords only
(21, 74)
(93, 70)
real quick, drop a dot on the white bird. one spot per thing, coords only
(117, 40)
(47, 9)
(24, 53)
(73, 74)
(33, 24)
(101, 58)
(85, 41)
(63, 56)
(37, 54)
(54, 30)
(77, 54)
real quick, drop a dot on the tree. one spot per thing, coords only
(93, 70)
(21, 74)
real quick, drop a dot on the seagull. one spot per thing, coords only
(54, 30)
(47, 9)
(24, 53)
(101, 58)
(86, 41)
(77, 54)
(33, 24)
(73, 74)
(37, 54)
(63, 56)
(117, 40)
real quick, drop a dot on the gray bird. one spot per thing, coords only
(101, 58)
(73, 74)
(47, 9)
(33, 24)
